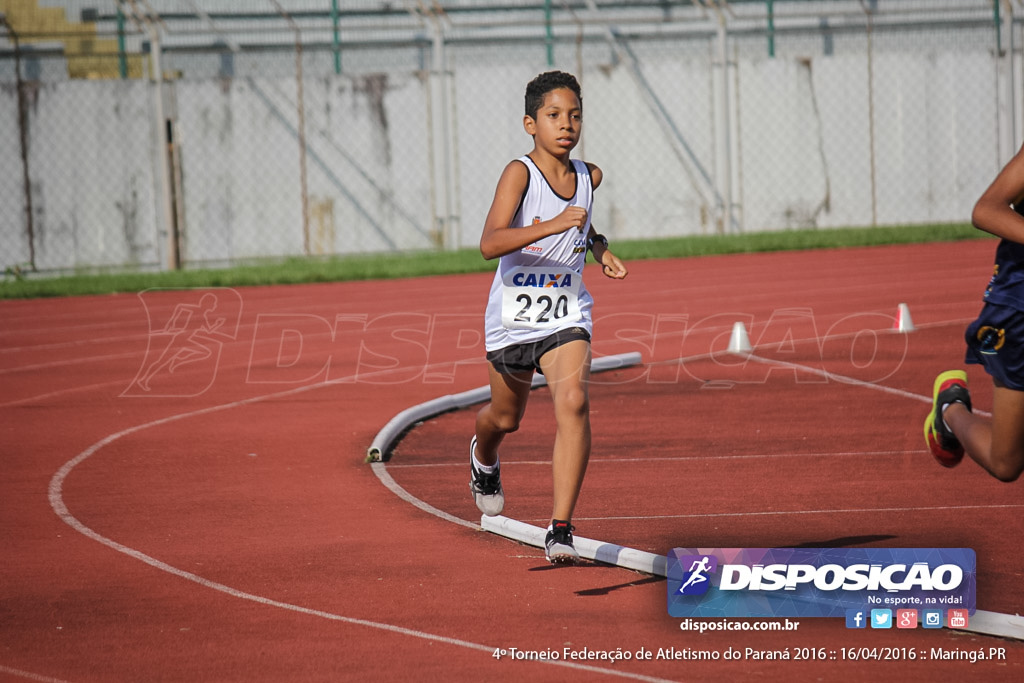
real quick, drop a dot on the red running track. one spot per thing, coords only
(184, 496)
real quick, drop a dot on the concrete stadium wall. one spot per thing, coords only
(803, 155)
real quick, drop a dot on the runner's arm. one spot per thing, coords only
(993, 212)
(499, 238)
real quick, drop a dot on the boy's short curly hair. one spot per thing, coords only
(545, 83)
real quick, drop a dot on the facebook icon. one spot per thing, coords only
(856, 618)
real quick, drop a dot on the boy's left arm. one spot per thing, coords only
(611, 265)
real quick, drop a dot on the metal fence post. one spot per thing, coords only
(23, 147)
(871, 114)
(441, 139)
(301, 125)
(172, 255)
(723, 125)
(1015, 78)
(1006, 85)
(335, 37)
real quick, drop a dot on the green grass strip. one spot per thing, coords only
(20, 284)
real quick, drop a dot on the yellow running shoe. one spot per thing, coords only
(950, 387)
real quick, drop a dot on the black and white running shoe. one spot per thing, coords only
(487, 492)
(558, 547)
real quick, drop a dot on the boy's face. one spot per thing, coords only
(558, 124)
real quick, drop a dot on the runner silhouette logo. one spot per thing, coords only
(188, 329)
(697, 575)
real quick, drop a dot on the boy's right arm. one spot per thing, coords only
(498, 238)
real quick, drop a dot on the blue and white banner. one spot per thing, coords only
(817, 582)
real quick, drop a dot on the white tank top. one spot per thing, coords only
(539, 289)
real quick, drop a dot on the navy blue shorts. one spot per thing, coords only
(996, 341)
(526, 357)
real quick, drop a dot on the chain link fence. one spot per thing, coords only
(159, 134)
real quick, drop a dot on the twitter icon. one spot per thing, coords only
(881, 618)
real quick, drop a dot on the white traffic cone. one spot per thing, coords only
(903, 322)
(739, 342)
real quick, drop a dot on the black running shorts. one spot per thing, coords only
(996, 341)
(519, 358)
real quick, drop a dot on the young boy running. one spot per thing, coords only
(996, 341)
(539, 311)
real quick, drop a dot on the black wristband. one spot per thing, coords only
(595, 239)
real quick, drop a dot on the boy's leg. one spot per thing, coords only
(499, 417)
(567, 369)
(997, 444)
(509, 394)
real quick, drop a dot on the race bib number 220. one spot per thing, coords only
(538, 298)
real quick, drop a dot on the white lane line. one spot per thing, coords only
(845, 380)
(55, 494)
(223, 367)
(69, 362)
(381, 471)
(782, 513)
(611, 460)
(29, 675)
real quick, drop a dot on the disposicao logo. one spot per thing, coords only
(817, 582)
